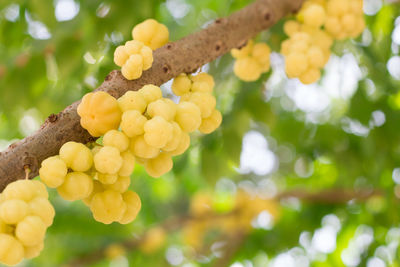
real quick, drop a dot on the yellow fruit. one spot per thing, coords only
(30, 231)
(21, 189)
(176, 138)
(205, 101)
(296, 64)
(316, 57)
(39, 189)
(106, 178)
(108, 160)
(209, 124)
(114, 251)
(132, 100)
(165, 108)
(128, 164)
(153, 240)
(244, 51)
(203, 77)
(116, 139)
(76, 156)
(183, 145)
(107, 206)
(97, 188)
(99, 113)
(121, 185)
(77, 185)
(157, 132)
(159, 165)
(181, 84)
(42, 207)
(147, 55)
(151, 33)
(188, 116)
(140, 148)
(120, 56)
(53, 171)
(12, 211)
(314, 15)
(310, 76)
(291, 27)
(132, 123)
(247, 69)
(33, 251)
(133, 67)
(150, 93)
(133, 206)
(11, 250)
(261, 52)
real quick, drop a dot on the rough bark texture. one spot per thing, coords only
(185, 55)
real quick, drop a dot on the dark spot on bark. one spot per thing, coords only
(165, 69)
(218, 46)
(108, 77)
(13, 145)
(53, 117)
(59, 137)
(242, 44)
(169, 46)
(267, 16)
(218, 21)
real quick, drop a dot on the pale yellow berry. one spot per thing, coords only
(181, 84)
(157, 132)
(206, 103)
(132, 100)
(153, 240)
(133, 206)
(52, 171)
(97, 188)
(244, 51)
(176, 138)
(188, 116)
(121, 185)
(42, 207)
(128, 164)
(120, 56)
(30, 231)
(316, 57)
(133, 67)
(107, 206)
(106, 178)
(183, 145)
(12, 211)
(132, 123)
(151, 33)
(147, 55)
(291, 27)
(333, 26)
(133, 47)
(296, 64)
(108, 160)
(116, 139)
(159, 165)
(76, 156)
(77, 185)
(209, 124)
(310, 76)
(21, 189)
(314, 15)
(261, 52)
(140, 148)
(99, 113)
(39, 189)
(11, 250)
(33, 251)
(202, 82)
(164, 107)
(337, 7)
(247, 69)
(348, 22)
(150, 93)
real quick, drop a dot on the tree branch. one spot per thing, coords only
(185, 55)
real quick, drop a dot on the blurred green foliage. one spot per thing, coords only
(342, 133)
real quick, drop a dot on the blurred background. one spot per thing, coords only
(295, 176)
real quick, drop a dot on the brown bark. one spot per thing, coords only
(185, 55)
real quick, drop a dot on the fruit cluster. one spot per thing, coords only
(25, 215)
(151, 33)
(251, 60)
(205, 217)
(136, 55)
(196, 90)
(311, 36)
(98, 176)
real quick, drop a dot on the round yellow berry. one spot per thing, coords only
(188, 116)
(30, 231)
(132, 123)
(132, 100)
(183, 145)
(53, 171)
(77, 185)
(121, 185)
(11, 250)
(181, 84)
(12, 211)
(209, 124)
(116, 139)
(128, 164)
(107, 206)
(42, 207)
(150, 93)
(157, 132)
(133, 205)
(140, 148)
(108, 160)
(159, 165)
